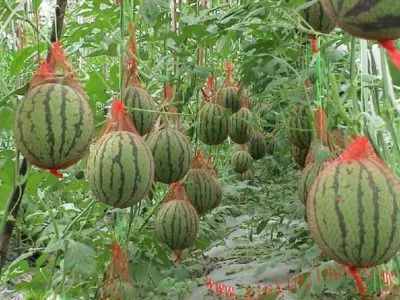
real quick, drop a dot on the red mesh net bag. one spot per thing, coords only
(394, 54)
(131, 75)
(205, 163)
(228, 82)
(360, 148)
(118, 120)
(321, 125)
(56, 69)
(117, 282)
(168, 102)
(209, 91)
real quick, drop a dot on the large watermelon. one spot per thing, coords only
(203, 191)
(230, 98)
(257, 145)
(120, 169)
(353, 208)
(316, 18)
(53, 126)
(240, 126)
(306, 179)
(172, 155)
(213, 124)
(241, 161)
(368, 19)
(137, 97)
(176, 224)
(298, 127)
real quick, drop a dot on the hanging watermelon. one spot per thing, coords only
(368, 19)
(353, 209)
(316, 18)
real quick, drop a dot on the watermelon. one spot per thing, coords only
(248, 175)
(298, 128)
(373, 20)
(353, 208)
(241, 161)
(120, 169)
(257, 145)
(176, 224)
(299, 155)
(137, 97)
(271, 143)
(213, 124)
(316, 18)
(240, 126)
(53, 126)
(306, 179)
(203, 191)
(268, 118)
(172, 155)
(229, 98)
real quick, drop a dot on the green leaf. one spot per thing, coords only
(149, 12)
(79, 258)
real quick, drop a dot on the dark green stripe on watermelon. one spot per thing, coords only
(375, 20)
(120, 169)
(172, 155)
(176, 224)
(137, 97)
(213, 124)
(240, 126)
(353, 213)
(257, 145)
(53, 126)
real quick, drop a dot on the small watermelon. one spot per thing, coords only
(299, 155)
(120, 169)
(172, 155)
(257, 145)
(316, 18)
(241, 161)
(240, 126)
(298, 128)
(203, 191)
(176, 224)
(248, 175)
(136, 97)
(213, 124)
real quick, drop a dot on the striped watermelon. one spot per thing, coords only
(53, 126)
(137, 97)
(374, 20)
(315, 17)
(248, 175)
(213, 124)
(299, 155)
(241, 161)
(172, 155)
(268, 118)
(298, 128)
(203, 191)
(176, 224)
(257, 145)
(306, 179)
(271, 143)
(120, 169)
(240, 126)
(230, 98)
(353, 208)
